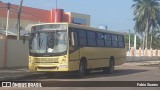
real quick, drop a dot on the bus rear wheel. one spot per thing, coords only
(109, 69)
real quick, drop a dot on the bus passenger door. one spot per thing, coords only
(73, 51)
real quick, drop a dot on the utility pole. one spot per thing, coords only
(135, 43)
(129, 40)
(8, 12)
(5, 39)
(19, 18)
(56, 13)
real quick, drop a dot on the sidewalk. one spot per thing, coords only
(15, 73)
(144, 63)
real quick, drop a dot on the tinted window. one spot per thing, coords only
(114, 41)
(107, 37)
(120, 38)
(121, 44)
(91, 37)
(108, 43)
(115, 44)
(100, 39)
(121, 41)
(100, 36)
(114, 37)
(82, 34)
(82, 38)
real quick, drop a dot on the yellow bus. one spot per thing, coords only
(65, 47)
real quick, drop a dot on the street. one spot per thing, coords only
(127, 72)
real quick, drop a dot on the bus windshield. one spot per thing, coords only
(50, 43)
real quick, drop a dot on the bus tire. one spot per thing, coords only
(80, 73)
(109, 69)
(50, 75)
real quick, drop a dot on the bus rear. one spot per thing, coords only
(48, 45)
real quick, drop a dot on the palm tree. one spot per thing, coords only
(140, 27)
(145, 11)
(152, 25)
(156, 41)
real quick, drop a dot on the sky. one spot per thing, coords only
(116, 14)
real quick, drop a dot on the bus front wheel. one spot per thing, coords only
(81, 71)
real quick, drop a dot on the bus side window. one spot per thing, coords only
(114, 41)
(121, 42)
(91, 38)
(82, 38)
(100, 39)
(108, 42)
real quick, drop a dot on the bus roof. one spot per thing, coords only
(94, 29)
(83, 27)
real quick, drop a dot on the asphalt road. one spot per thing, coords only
(126, 72)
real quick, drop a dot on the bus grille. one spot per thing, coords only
(46, 60)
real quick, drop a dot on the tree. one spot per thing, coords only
(156, 39)
(145, 12)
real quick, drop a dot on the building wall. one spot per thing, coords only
(17, 53)
(70, 16)
(28, 13)
(1, 52)
(13, 22)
